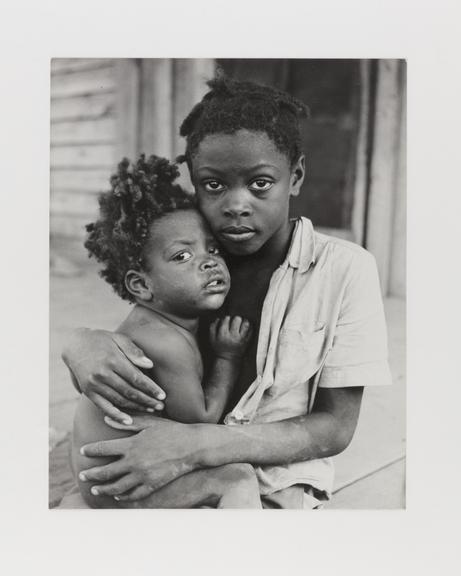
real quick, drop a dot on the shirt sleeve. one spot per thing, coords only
(358, 355)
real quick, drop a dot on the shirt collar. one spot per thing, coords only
(302, 249)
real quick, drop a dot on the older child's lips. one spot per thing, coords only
(237, 233)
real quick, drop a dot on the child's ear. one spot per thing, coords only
(297, 176)
(137, 285)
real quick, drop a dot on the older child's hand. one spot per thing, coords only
(229, 336)
(104, 365)
(160, 453)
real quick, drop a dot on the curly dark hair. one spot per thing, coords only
(140, 194)
(231, 105)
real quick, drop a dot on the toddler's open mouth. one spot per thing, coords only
(216, 285)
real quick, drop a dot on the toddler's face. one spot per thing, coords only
(243, 184)
(184, 267)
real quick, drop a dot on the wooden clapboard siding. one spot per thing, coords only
(86, 156)
(70, 225)
(78, 203)
(68, 65)
(80, 180)
(83, 139)
(85, 107)
(85, 82)
(100, 131)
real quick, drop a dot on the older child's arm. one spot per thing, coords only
(106, 367)
(327, 431)
(164, 450)
(178, 373)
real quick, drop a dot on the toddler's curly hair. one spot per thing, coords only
(232, 105)
(140, 193)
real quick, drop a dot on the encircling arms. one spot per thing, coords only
(164, 450)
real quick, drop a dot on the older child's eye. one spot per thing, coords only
(260, 185)
(213, 186)
(214, 250)
(182, 256)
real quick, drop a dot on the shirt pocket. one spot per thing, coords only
(300, 354)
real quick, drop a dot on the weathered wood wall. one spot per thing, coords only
(83, 139)
(104, 109)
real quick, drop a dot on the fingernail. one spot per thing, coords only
(161, 395)
(82, 477)
(117, 498)
(151, 410)
(82, 450)
(159, 407)
(94, 491)
(127, 421)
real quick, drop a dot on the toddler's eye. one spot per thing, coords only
(213, 186)
(182, 256)
(260, 185)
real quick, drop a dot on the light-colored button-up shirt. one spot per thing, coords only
(322, 325)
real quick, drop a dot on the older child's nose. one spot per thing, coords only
(237, 205)
(236, 211)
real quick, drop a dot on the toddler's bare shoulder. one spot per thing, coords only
(160, 342)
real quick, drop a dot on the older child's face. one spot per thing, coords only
(243, 184)
(185, 270)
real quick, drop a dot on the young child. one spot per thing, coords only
(159, 254)
(313, 300)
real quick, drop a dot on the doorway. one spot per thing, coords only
(332, 91)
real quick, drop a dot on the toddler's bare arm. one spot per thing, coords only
(178, 372)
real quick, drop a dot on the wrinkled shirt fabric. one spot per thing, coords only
(322, 326)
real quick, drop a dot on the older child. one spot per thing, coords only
(159, 254)
(314, 300)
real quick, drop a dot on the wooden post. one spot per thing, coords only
(383, 167)
(190, 76)
(360, 187)
(397, 282)
(127, 107)
(156, 124)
